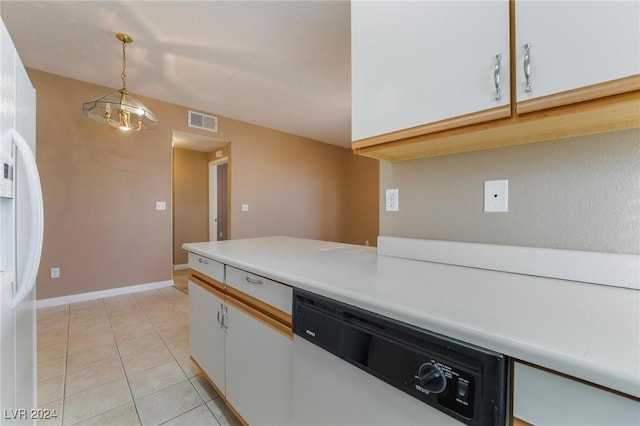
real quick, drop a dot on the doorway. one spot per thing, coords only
(191, 158)
(218, 199)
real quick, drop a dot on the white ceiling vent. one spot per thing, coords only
(203, 121)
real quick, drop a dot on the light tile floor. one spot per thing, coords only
(124, 360)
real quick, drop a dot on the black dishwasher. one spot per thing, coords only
(464, 381)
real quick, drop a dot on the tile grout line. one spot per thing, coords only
(177, 303)
(185, 373)
(66, 360)
(126, 377)
(174, 358)
(170, 353)
(114, 339)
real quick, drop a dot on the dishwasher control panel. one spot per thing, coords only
(466, 382)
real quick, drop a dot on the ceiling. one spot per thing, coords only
(279, 64)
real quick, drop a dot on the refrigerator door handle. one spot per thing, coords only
(34, 251)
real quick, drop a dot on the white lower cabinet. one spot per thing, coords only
(258, 368)
(243, 350)
(206, 336)
(543, 398)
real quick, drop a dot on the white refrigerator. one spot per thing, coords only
(21, 232)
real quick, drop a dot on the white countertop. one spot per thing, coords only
(589, 331)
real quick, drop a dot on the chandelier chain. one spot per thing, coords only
(124, 66)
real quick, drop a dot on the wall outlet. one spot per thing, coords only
(496, 195)
(55, 272)
(245, 207)
(161, 205)
(392, 201)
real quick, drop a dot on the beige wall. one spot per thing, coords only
(190, 200)
(293, 187)
(581, 194)
(362, 216)
(100, 187)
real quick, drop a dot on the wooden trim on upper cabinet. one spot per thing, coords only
(595, 91)
(602, 115)
(260, 316)
(438, 126)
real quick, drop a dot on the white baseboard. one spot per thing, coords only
(181, 267)
(82, 297)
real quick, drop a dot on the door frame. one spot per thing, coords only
(213, 197)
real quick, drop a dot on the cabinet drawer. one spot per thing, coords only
(209, 267)
(271, 292)
(543, 398)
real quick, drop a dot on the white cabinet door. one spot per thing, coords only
(414, 63)
(206, 337)
(575, 44)
(542, 398)
(258, 370)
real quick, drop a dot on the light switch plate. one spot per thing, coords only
(161, 205)
(496, 195)
(245, 207)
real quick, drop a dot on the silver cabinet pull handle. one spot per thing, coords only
(252, 280)
(220, 319)
(496, 77)
(201, 260)
(527, 67)
(224, 320)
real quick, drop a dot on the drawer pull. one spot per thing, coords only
(201, 260)
(252, 280)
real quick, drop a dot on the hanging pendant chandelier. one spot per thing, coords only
(120, 110)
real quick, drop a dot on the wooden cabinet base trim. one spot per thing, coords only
(438, 126)
(220, 394)
(615, 87)
(603, 115)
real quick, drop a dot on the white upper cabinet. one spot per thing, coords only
(415, 63)
(574, 44)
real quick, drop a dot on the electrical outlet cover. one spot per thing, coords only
(391, 201)
(496, 195)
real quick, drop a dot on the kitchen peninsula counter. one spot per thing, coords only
(588, 331)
